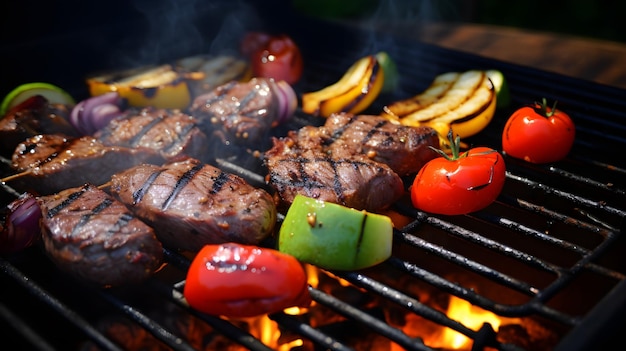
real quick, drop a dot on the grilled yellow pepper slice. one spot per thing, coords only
(169, 85)
(158, 86)
(353, 92)
(462, 101)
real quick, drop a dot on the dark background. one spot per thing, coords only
(61, 41)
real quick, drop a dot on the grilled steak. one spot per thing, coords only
(238, 112)
(88, 233)
(404, 149)
(354, 181)
(54, 162)
(191, 204)
(33, 116)
(170, 132)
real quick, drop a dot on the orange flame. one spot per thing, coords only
(469, 315)
(266, 330)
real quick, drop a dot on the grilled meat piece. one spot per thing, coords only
(238, 112)
(33, 116)
(190, 204)
(405, 149)
(170, 132)
(54, 162)
(88, 233)
(354, 181)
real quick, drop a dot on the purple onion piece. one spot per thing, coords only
(21, 228)
(287, 101)
(90, 115)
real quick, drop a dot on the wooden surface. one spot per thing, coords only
(595, 60)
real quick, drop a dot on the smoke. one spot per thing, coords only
(406, 14)
(174, 29)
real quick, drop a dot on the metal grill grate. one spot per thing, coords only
(548, 249)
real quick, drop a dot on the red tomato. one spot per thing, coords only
(252, 42)
(459, 184)
(538, 134)
(273, 56)
(238, 281)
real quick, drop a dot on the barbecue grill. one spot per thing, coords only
(546, 258)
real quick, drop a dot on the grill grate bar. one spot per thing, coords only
(62, 309)
(376, 324)
(479, 300)
(606, 231)
(587, 181)
(311, 333)
(173, 341)
(175, 295)
(530, 232)
(223, 326)
(467, 263)
(577, 199)
(405, 301)
(24, 329)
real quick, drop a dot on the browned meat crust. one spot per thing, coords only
(405, 149)
(238, 112)
(88, 233)
(191, 204)
(32, 117)
(172, 133)
(55, 162)
(354, 181)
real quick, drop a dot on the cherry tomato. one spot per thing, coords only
(459, 183)
(238, 281)
(538, 133)
(273, 56)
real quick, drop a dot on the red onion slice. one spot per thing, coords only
(286, 100)
(21, 228)
(92, 114)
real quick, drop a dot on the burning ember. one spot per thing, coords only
(432, 334)
(462, 311)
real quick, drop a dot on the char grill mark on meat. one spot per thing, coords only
(139, 193)
(191, 204)
(379, 154)
(84, 219)
(180, 184)
(172, 133)
(347, 181)
(405, 149)
(88, 233)
(238, 113)
(53, 162)
(52, 212)
(134, 141)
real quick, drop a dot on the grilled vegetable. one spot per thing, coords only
(332, 236)
(238, 281)
(503, 95)
(463, 101)
(392, 78)
(52, 93)
(21, 224)
(459, 183)
(215, 71)
(353, 93)
(273, 56)
(538, 133)
(94, 113)
(168, 85)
